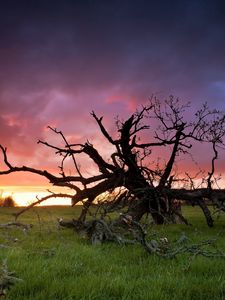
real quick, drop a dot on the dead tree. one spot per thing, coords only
(147, 187)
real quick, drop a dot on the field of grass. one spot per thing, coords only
(57, 264)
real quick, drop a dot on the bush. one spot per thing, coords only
(7, 201)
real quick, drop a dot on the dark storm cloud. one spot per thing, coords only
(99, 43)
(61, 59)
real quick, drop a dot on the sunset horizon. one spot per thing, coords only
(25, 195)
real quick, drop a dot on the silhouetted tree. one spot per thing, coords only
(141, 184)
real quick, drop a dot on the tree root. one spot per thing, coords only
(100, 231)
(17, 224)
(7, 279)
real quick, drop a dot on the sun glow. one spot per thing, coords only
(25, 195)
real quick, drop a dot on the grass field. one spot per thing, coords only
(56, 264)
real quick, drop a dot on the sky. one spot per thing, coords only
(59, 60)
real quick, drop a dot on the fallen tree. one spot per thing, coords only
(139, 183)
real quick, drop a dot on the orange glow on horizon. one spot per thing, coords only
(25, 195)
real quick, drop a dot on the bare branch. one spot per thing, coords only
(103, 130)
(39, 201)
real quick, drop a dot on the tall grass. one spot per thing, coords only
(57, 264)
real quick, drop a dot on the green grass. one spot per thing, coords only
(57, 264)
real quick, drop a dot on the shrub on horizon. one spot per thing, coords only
(7, 201)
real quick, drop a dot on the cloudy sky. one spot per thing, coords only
(59, 60)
